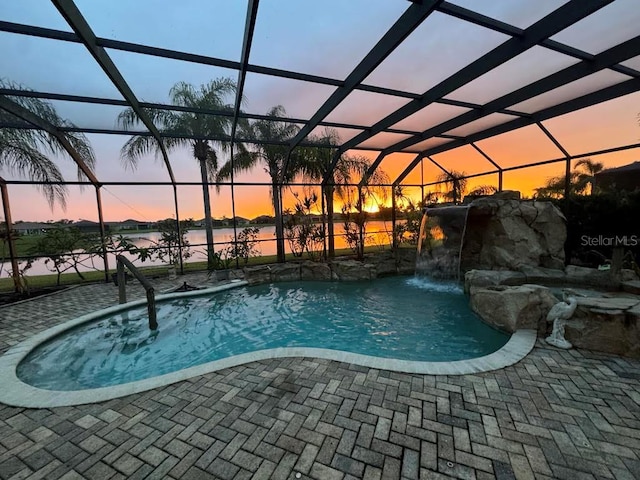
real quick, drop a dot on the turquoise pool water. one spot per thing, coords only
(397, 317)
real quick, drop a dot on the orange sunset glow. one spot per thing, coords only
(409, 67)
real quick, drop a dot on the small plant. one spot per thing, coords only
(300, 231)
(63, 249)
(354, 226)
(168, 247)
(247, 244)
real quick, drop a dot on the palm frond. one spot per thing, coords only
(27, 162)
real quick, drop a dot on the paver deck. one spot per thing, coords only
(556, 414)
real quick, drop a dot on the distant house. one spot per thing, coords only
(32, 228)
(87, 226)
(131, 224)
(626, 178)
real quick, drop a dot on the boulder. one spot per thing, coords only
(406, 260)
(346, 270)
(505, 234)
(258, 274)
(513, 308)
(285, 272)
(606, 324)
(590, 276)
(315, 271)
(487, 278)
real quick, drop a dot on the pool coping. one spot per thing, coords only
(19, 394)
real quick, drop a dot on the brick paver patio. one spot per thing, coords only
(556, 414)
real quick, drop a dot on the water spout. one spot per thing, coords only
(439, 251)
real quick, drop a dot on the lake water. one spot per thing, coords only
(378, 233)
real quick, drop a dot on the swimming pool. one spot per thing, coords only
(397, 323)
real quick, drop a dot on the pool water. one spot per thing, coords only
(396, 317)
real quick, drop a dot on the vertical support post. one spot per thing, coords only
(422, 180)
(178, 228)
(15, 270)
(360, 205)
(151, 308)
(105, 258)
(324, 224)
(500, 180)
(233, 212)
(567, 178)
(394, 242)
(122, 289)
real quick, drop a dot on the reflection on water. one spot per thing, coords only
(379, 233)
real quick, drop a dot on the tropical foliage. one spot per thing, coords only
(303, 234)
(581, 180)
(272, 157)
(453, 185)
(25, 152)
(194, 130)
(348, 170)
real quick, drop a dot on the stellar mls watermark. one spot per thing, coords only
(610, 241)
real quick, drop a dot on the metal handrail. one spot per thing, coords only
(122, 293)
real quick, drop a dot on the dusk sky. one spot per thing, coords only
(326, 38)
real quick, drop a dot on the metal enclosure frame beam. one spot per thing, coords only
(492, 162)
(561, 18)
(84, 32)
(249, 28)
(599, 96)
(606, 59)
(401, 29)
(567, 170)
(79, 25)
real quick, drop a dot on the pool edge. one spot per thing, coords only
(19, 394)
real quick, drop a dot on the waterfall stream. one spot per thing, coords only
(440, 243)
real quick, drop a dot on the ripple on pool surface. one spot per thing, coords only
(398, 317)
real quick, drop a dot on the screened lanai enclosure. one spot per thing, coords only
(253, 121)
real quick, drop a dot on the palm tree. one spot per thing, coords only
(272, 157)
(483, 190)
(581, 180)
(191, 129)
(586, 178)
(316, 164)
(455, 183)
(24, 152)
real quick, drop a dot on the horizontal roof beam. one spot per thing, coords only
(178, 108)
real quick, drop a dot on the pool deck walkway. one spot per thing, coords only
(557, 414)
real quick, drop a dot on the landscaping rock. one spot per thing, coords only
(315, 271)
(604, 324)
(285, 272)
(509, 234)
(346, 270)
(486, 278)
(590, 276)
(258, 274)
(513, 308)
